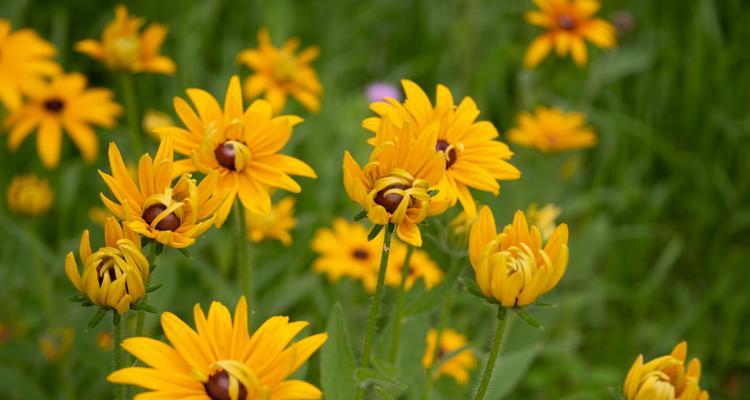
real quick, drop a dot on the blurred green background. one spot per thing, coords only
(659, 210)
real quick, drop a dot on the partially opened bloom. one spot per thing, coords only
(665, 378)
(241, 145)
(25, 61)
(473, 156)
(551, 130)
(512, 267)
(543, 218)
(279, 72)
(220, 359)
(172, 214)
(453, 345)
(63, 104)
(29, 195)
(274, 225)
(112, 276)
(568, 24)
(123, 47)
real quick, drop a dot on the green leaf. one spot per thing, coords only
(382, 393)
(510, 368)
(470, 286)
(527, 318)
(370, 375)
(146, 307)
(374, 232)
(159, 247)
(77, 298)
(616, 393)
(100, 313)
(154, 288)
(360, 215)
(337, 359)
(429, 299)
(116, 318)
(185, 252)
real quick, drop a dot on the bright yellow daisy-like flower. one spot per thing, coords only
(550, 130)
(242, 146)
(569, 23)
(29, 195)
(25, 61)
(279, 72)
(665, 378)
(112, 276)
(459, 364)
(473, 158)
(64, 104)
(275, 225)
(420, 266)
(123, 47)
(221, 360)
(512, 268)
(543, 218)
(173, 215)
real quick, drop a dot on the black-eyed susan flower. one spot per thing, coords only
(153, 120)
(421, 267)
(25, 61)
(172, 214)
(123, 47)
(113, 276)
(241, 145)
(220, 359)
(665, 378)
(344, 250)
(473, 156)
(543, 218)
(63, 104)
(551, 130)
(512, 267)
(279, 72)
(568, 24)
(396, 185)
(274, 225)
(29, 195)
(452, 344)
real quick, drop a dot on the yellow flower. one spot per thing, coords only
(173, 215)
(461, 224)
(220, 359)
(543, 218)
(551, 130)
(29, 195)
(459, 364)
(64, 104)
(153, 120)
(396, 184)
(511, 267)
(112, 276)
(275, 225)
(665, 378)
(25, 60)
(104, 340)
(279, 72)
(55, 345)
(124, 48)
(568, 24)
(242, 146)
(421, 267)
(99, 215)
(473, 158)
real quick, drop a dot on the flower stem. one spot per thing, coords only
(140, 315)
(117, 325)
(131, 110)
(396, 337)
(494, 352)
(243, 259)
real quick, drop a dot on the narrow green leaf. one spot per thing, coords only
(370, 375)
(526, 317)
(185, 252)
(382, 393)
(374, 232)
(360, 215)
(116, 318)
(337, 359)
(100, 313)
(154, 288)
(470, 286)
(77, 298)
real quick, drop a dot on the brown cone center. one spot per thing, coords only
(565, 22)
(451, 154)
(54, 105)
(217, 387)
(361, 254)
(225, 156)
(390, 201)
(110, 271)
(169, 223)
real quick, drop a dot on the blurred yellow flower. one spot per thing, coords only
(279, 72)
(665, 378)
(221, 360)
(568, 24)
(461, 224)
(421, 267)
(64, 104)
(28, 195)
(112, 276)
(275, 225)
(550, 130)
(459, 364)
(396, 184)
(99, 215)
(104, 340)
(473, 156)
(174, 215)
(241, 146)
(55, 345)
(511, 267)
(543, 218)
(153, 120)
(124, 48)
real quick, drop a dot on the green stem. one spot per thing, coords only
(494, 352)
(243, 259)
(396, 337)
(117, 325)
(131, 110)
(372, 319)
(140, 315)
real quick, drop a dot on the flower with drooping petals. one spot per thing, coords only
(665, 378)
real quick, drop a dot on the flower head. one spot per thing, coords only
(112, 276)
(153, 120)
(63, 104)
(512, 267)
(665, 378)
(459, 364)
(123, 47)
(275, 225)
(172, 214)
(29, 195)
(543, 218)
(220, 359)
(568, 24)
(473, 156)
(241, 145)
(550, 130)
(421, 267)
(279, 72)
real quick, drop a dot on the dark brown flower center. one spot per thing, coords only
(451, 154)
(225, 155)
(566, 22)
(390, 201)
(217, 387)
(361, 254)
(54, 105)
(110, 271)
(169, 223)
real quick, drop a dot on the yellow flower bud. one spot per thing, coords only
(665, 378)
